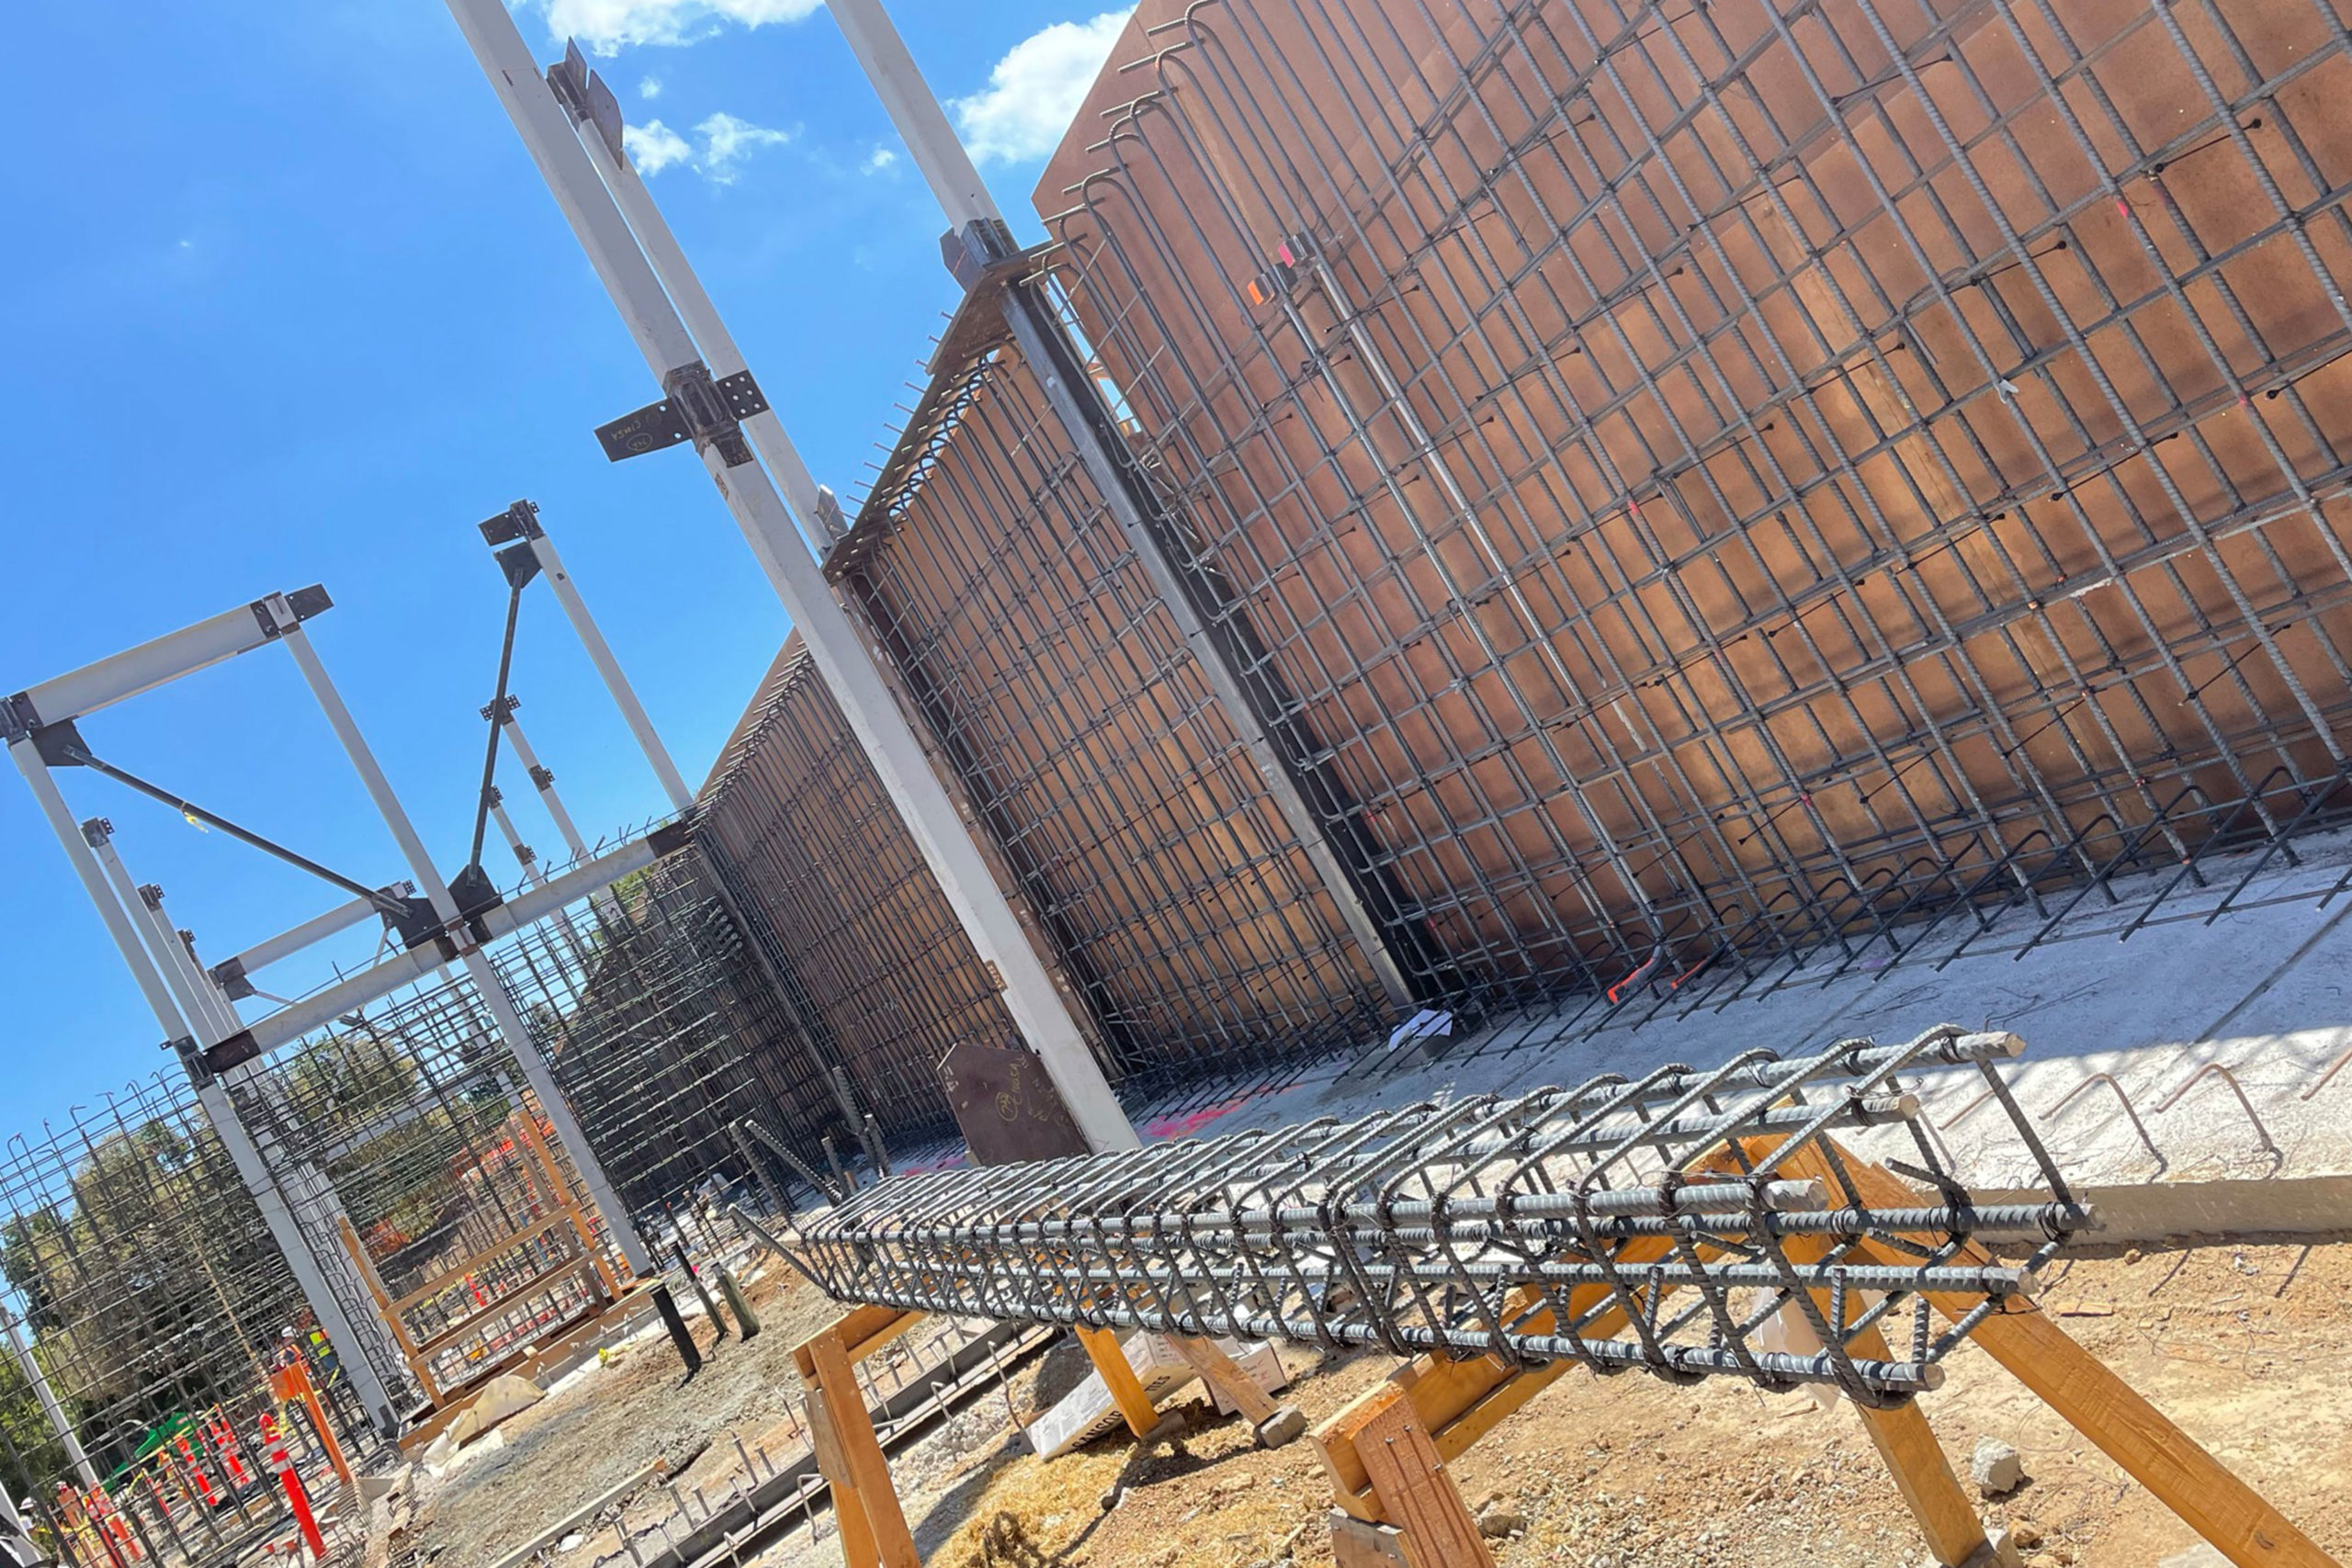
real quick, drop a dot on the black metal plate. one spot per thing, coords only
(1009, 1110)
(654, 428)
(743, 396)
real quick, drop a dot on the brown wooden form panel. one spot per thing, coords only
(823, 864)
(1728, 477)
(1089, 742)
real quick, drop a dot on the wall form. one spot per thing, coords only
(1727, 478)
(1706, 482)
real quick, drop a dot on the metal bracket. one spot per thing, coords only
(417, 924)
(184, 1047)
(233, 1052)
(707, 413)
(520, 521)
(476, 896)
(17, 717)
(60, 745)
(542, 778)
(304, 601)
(583, 95)
(230, 976)
(519, 563)
(982, 247)
(501, 710)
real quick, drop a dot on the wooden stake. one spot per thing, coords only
(848, 1507)
(1220, 1372)
(1907, 1443)
(825, 1365)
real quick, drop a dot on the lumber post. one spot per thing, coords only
(1274, 1424)
(527, 1122)
(387, 1310)
(874, 1527)
(1907, 1444)
(1355, 1545)
(1110, 1358)
(2228, 1514)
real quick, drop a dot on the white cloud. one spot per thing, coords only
(606, 27)
(727, 141)
(654, 147)
(724, 140)
(878, 160)
(651, 87)
(1034, 91)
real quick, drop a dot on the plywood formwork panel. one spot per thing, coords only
(1091, 743)
(1727, 478)
(839, 894)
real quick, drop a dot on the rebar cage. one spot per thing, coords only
(1723, 479)
(1683, 491)
(143, 1299)
(832, 889)
(146, 1298)
(1084, 730)
(1690, 1222)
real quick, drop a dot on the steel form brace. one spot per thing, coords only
(1555, 1225)
(676, 328)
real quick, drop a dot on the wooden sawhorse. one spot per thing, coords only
(1396, 1507)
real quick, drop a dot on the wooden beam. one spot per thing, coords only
(860, 1331)
(476, 1259)
(833, 1463)
(2219, 1507)
(1220, 1372)
(1110, 1358)
(1416, 1492)
(560, 1191)
(1906, 1442)
(1356, 1544)
(861, 1452)
(514, 1300)
(859, 1348)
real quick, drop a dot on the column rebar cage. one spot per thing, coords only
(141, 1300)
(659, 1031)
(1090, 743)
(1729, 480)
(1693, 1224)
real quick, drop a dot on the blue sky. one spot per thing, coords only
(288, 304)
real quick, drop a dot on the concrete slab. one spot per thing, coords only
(2148, 991)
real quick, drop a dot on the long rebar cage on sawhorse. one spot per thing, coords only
(1660, 1222)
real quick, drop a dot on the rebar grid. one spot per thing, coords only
(646, 1012)
(1558, 1225)
(1089, 740)
(1735, 479)
(142, 1283)
(427, 1181)
(397, 1137)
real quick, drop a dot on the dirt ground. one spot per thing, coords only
(2242, 1345)
(609, 1422)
